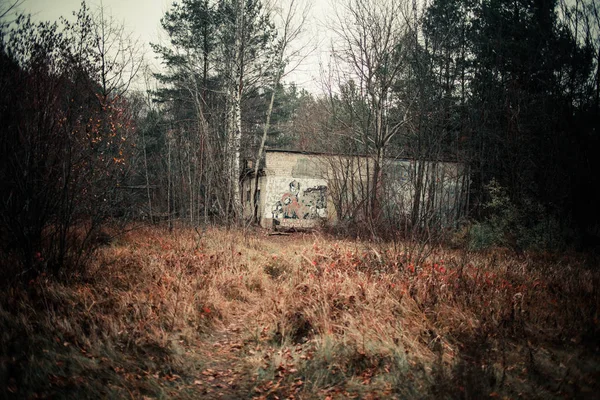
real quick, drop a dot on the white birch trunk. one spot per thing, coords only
(235, 133)
(235, 154)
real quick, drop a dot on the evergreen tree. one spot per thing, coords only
(217, 63)
(518, 80)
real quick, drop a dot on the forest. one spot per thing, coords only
(128, 268)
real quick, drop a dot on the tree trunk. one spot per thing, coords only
(147, 178)
(235, 132)
(262, 146)
(235, 154)
(418, 176)
(169, 182)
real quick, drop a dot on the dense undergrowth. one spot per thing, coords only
(242, 314)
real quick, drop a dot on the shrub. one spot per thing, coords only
(63, 146)
(528, 225)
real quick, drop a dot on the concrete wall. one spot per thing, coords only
(442, 191)
(298, 189)
(292, 192)
(296, 165)
(295, 202)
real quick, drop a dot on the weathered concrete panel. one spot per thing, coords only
(295, 202)
(301, 189)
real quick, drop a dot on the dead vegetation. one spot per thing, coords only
(242, 315)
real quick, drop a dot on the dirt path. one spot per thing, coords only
(225, 375)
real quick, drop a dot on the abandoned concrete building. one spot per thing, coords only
(305, 189)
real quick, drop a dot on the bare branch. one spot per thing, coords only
(11, 7)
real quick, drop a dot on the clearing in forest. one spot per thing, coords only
(240, 314)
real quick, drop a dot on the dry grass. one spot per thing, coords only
(242, 314)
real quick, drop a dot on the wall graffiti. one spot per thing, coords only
(310, 203)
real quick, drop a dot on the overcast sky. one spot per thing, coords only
(142, 17)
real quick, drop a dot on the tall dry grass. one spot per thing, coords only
(310, 316)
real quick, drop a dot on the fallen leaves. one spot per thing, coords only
(171, 377)
(278, 389)
(242, 341)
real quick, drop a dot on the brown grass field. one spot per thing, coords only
(241, 315)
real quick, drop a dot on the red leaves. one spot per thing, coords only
(389, 299)
(171, 377)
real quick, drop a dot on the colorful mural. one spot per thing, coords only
(297, 204)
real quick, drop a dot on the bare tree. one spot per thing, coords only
(381, 100)
(9, 7)
(370, 55)
(292, 19)
(216, 61)
(65, 153)
(245, 44)
(119, 55)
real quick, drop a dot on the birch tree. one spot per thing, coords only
(292, 20)
(246, 39)
(216, 60)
